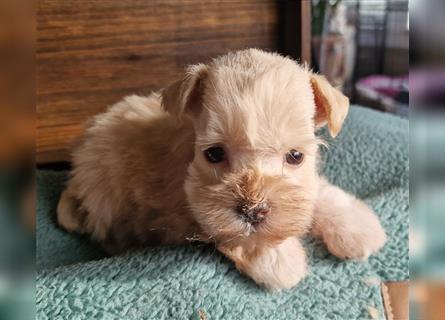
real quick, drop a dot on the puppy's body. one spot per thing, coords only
(128, 175)
(208, 159)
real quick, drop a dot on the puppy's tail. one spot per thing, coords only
(70, 215)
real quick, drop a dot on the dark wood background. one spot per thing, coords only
(92, 53)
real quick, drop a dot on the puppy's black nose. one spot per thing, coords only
(253, 213)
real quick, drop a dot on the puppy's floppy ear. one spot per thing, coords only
(331, 105)
(184, 97)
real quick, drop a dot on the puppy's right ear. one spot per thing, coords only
(184, 97)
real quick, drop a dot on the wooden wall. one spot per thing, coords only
(91, 53)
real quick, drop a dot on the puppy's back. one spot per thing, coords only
(116, 167)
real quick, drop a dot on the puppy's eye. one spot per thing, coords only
(294, 157)
(214, 154)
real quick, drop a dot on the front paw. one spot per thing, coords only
(280, 267)
(355, 234)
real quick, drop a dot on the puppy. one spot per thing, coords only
(226, 155)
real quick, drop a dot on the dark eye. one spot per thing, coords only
(214, 154)
(294, 157)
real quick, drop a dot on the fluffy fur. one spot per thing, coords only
(140, 176)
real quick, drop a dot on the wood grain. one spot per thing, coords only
(92, 53)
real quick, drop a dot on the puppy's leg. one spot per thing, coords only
(348, 226)
(70, 215)
(279, 267)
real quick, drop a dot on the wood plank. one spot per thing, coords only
(91, 53)
(306, 31)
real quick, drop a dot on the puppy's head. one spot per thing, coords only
(254, 175)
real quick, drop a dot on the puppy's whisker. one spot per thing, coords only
(230, 239)
(216, 175)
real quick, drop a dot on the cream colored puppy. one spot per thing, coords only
(226, 155)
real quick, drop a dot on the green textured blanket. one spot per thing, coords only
(75, 280)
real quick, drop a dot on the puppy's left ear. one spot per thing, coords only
(331, 105)
(184, 97)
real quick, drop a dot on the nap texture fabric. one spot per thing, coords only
(76, 280)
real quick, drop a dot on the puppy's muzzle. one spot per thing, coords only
(253, 213)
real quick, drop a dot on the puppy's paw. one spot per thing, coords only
(355, 234)
(69, 215)
(280, 267)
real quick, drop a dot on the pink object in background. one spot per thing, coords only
(384, 85)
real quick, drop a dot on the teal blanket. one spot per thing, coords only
(76, 280)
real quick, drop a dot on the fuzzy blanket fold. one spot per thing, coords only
(75, 280)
